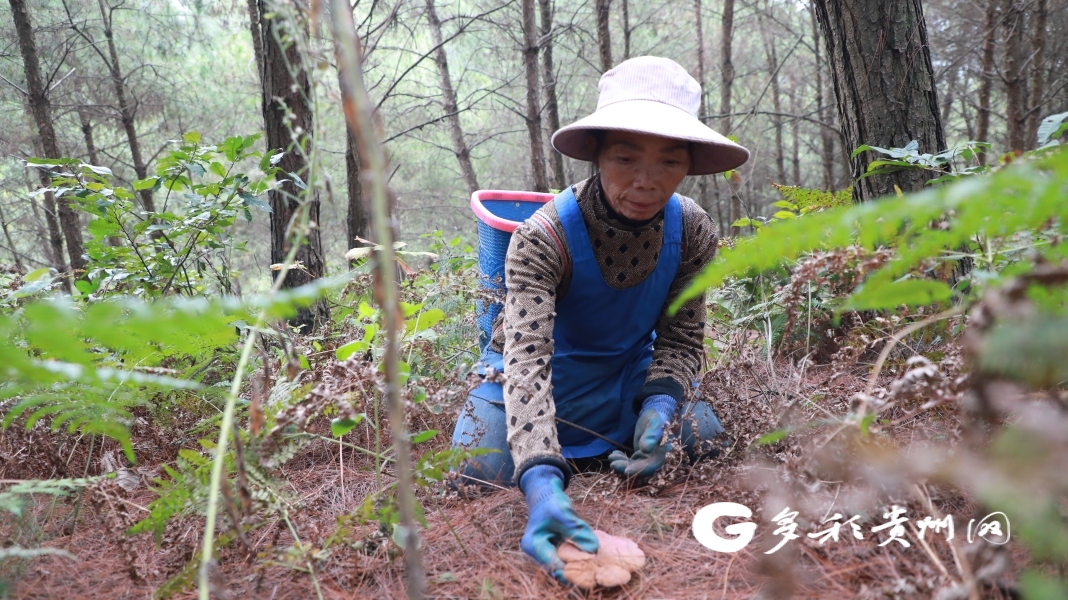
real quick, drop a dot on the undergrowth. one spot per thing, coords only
(954, 296)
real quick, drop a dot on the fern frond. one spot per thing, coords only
(1024, 196)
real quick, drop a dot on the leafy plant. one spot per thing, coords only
(944, 163)
(797, 201)
(1051, 129)
(185, 246)
(84, 369)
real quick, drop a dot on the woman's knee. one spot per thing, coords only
(481, 425)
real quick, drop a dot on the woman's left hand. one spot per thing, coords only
(649, 453)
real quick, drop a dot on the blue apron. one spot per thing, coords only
(603, 337)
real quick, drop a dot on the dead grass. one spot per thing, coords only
(471, 547)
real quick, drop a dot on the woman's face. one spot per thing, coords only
(640, 172)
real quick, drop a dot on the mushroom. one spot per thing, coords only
(612, 566)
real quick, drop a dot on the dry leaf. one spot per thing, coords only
(612, 566)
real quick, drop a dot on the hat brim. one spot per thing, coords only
(712, 152)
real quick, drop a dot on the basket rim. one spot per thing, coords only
(501, 224)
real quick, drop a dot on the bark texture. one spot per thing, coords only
(530, 64)
(41, 110)
(726, 65)
(87, 135)
(257, 35)
(452, 109)
(986, 76)
(1015, 77)
(604, 38)
(726, 86)
(826, 139)
(1038, 70)
(702, 182)
(357, 219)
(552, 105)
(883, 83)
(288, 121)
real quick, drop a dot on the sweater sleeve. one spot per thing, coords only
(678, 350)
(534, 268)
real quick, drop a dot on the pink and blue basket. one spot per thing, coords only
(499, 212)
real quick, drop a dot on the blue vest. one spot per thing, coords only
(603, 337)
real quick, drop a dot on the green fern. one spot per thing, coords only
(183, 489)
(11, 499)
(76, 366)
(1022, 198)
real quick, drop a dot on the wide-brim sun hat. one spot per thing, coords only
(654, 96)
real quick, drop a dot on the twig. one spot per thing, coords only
(359, 111)
(963, 567)
(897, 337)
(451, 530)
(726, 574)
(624, 447)
(300, 544)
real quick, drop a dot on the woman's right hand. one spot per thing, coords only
(552, 519)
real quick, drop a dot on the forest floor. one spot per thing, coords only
(471, 547)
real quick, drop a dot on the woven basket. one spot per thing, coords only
(499, 212)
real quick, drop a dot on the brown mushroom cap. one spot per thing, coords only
(612, 566)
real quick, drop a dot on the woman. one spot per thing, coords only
(591, 358)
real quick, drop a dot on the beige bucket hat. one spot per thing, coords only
(656, 96)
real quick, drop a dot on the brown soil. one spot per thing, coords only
(471, 547)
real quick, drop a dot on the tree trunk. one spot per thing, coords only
(795, 133)
(626, 31)
(281, 95)
(50, 236)
(41, 109)
(726, 69)
(255, 28)
(604, 39)
(93, 157)
(1038, 72)
(87, 135)
(702, 181)
(530, 63)
(127, 112)
(11, 243)
(826, 139)
(452, 109)
(357, 220)
(884, 85)
(552, 105)
(726, 65)
(986, 77)
(969, 128)
(1015, 78)
(950, 86)
(776, 100)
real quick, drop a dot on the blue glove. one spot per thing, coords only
(552, 520)
(649, 454)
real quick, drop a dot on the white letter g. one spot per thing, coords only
(742, 532)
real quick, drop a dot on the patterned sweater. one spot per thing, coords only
(536, 275)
